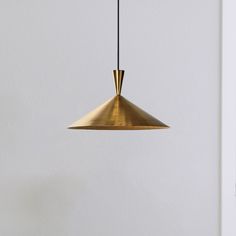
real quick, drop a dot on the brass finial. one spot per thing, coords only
(118, 77)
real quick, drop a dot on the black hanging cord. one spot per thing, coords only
(118, 34)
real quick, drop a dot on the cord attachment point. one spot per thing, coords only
(118, 77)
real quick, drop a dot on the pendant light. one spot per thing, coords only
(118, 113)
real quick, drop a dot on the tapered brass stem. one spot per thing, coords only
(118, 77)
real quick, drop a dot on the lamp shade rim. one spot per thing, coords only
(112, 127)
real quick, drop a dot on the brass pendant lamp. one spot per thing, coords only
(118, 113)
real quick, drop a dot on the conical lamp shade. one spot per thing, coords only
(118, 114)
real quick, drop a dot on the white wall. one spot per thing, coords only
(56, 63)
(228, 120)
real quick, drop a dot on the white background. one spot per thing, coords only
(56, 62)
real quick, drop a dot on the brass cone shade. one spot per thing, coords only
(118, 114)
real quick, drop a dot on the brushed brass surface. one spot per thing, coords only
(118, 114)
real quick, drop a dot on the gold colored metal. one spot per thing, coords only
(118, 114)
(118, 77)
